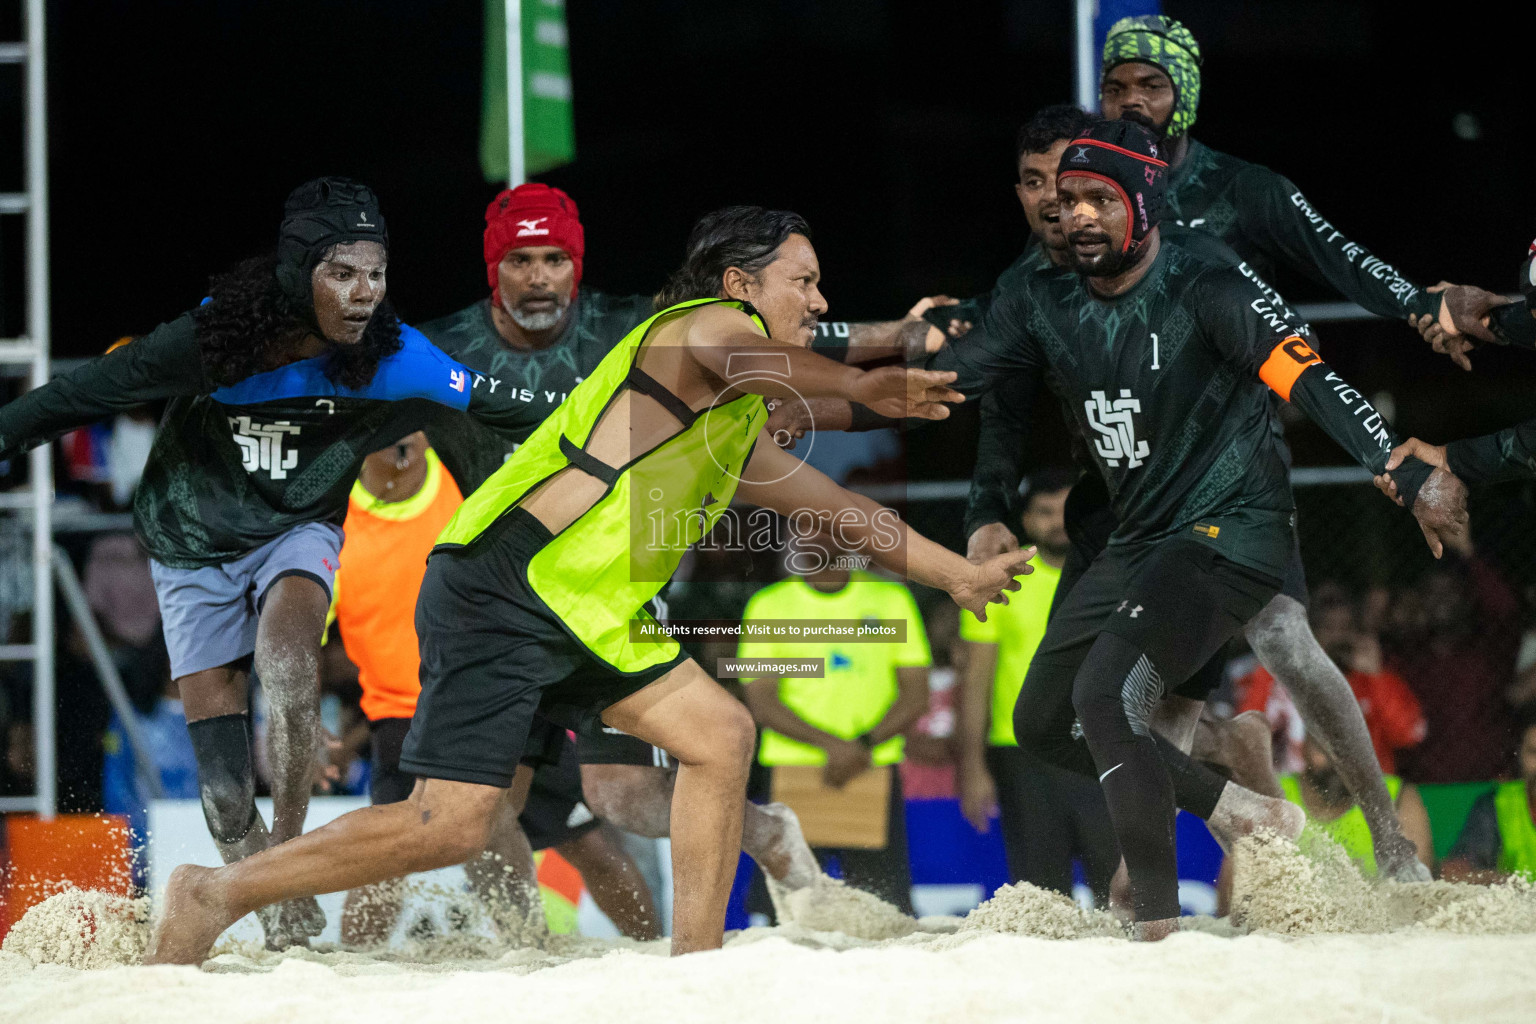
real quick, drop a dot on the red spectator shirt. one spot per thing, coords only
(1392, 714)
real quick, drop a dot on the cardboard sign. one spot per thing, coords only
(854, 817)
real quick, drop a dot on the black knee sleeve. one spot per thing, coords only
(1114, 695)
(1115, 691)
(226, 778)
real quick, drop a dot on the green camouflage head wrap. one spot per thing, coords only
(1167, 44)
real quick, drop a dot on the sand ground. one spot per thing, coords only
(790, 975)
(1313, 942)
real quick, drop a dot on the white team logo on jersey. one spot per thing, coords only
(261, 446)
(1116, 427)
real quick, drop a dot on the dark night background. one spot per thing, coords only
(177, 129)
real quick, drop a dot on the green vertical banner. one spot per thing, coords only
(549, 131)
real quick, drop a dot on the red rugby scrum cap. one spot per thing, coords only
(529, 215)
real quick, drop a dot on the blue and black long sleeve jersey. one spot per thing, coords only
(234, 467)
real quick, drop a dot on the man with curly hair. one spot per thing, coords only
(280, 384)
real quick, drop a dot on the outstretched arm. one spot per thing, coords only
(1249, 330)
(911, 337)
(1276, 214)
(164, 363)
(1437, 498)
(727, 344)
(1507, 455)
(1493, 458)
(999, 347)
(861, 526)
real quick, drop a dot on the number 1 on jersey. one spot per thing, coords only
(1154, 353)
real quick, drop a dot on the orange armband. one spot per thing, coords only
(1285, 363)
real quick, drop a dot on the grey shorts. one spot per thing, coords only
(209, 614)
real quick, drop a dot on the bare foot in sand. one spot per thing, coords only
(788, 860)
(1241, 812)
(1398, 861)
(194, 917)
(1154, 931)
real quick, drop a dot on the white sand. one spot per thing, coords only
(828, 905)
(83, 930)
(1277, 888)
(1332, 948)
(1025, 909)
(972, 978)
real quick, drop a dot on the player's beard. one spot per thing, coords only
(1110, 264)
(1053, 550)
(541, 321)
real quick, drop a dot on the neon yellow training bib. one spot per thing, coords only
(1349, 829)
(598, 573)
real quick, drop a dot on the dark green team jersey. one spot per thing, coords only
(1163, 385)
(1263, 222)
(235, 467)
(1266, 220)
(1005, 405)
(529, 385)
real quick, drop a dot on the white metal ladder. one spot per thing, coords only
(33, 350)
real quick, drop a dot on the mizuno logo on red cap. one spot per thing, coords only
(531, 227)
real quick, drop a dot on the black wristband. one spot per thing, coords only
(1513, 324)
(1409, 477)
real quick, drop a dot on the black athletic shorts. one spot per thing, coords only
(1091, 520)
(493, 654)
(555, 813)
(597, 743)
(1177, 600)
(547, 746)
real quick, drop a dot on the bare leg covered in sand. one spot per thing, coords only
(1282, 639)
(710, 735)
(615, 882)
(501, 876)
(505, 878)
(442, 823)
(638, 799)
(287, 661)
(288, 664)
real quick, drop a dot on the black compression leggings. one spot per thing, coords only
(1143, 776)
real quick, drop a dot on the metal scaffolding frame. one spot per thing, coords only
(33, 350)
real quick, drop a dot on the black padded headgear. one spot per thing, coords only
(1128, 156)
(317, 215)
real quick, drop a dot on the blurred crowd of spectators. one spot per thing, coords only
(1443, 669)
